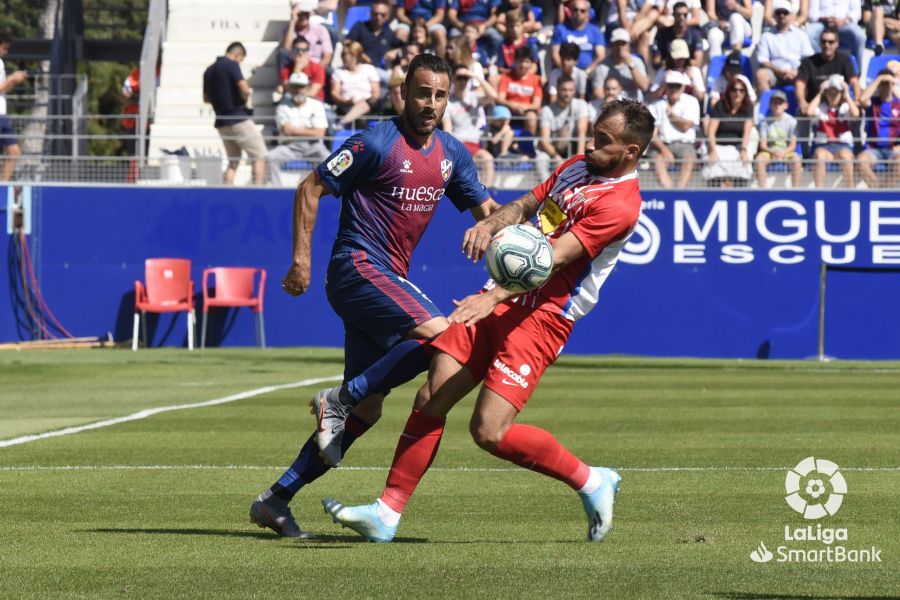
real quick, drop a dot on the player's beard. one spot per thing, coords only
(601, 169)
(417, 124)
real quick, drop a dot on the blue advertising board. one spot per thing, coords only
(713, 273)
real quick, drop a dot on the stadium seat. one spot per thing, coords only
(355, 14)
(168, 289)
(340, 136)
(538, 13)
(717, 63)
(876, 64)
(234, 288)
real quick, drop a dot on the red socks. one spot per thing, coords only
(416, 450)
(535, 449)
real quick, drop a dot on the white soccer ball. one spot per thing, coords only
(519, 258)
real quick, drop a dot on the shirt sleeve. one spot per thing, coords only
(558, 38)
(319, 118)
(465, 190)
(354, 162)
(609, 221)
(235, 70)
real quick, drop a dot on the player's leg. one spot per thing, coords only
(448, 382)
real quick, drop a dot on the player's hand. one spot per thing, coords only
(476, 241)
(472, 309)
(297, 279)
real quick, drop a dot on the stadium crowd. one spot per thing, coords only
(728, 107)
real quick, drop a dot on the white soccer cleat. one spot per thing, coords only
(599, 505)
(363, 519)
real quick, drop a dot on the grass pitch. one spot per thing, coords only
(157, 507)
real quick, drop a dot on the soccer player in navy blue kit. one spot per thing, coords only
(389, 179)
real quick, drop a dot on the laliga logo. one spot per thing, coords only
(811, 501)
(643, 244)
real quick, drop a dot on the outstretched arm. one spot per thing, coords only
(478, 237)
(306, 205)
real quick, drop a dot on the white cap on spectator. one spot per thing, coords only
(305, 5)
(835, 82)
(673, 76)
(298, 79)
(783, 5)
(620, 34)
(679, 49)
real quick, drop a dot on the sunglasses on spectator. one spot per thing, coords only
(680, 15)
(582, 10)
(673, 86)
(824, 41)
(300, 50)
(781, 13)
(380, 14)
(741, 90)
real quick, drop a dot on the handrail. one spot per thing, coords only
(153, 38)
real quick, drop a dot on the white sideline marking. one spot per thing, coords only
(149, 412)
(385, 468)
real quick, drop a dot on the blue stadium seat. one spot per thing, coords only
(340, 136)
(298, 165)
(355, 14)
(767, 95)
(526, 147)
(876, 63)
(717, 63)
(538, 13)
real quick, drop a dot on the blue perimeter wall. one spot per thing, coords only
(707, 273)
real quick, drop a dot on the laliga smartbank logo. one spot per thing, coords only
(815, 488)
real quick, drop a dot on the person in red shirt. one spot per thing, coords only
(302, 64)
(520, 90)
(587, 209)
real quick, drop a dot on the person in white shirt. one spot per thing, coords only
(355, 87)
(465, 120)
(781, 50)
(677, 117)
(563, 128)
(843, 15)
(303, 124)
(8, 141)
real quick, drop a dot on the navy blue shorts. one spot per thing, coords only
(7, 133)
(378, 308)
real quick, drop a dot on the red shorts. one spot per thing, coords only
(472, 147)
(509, 349)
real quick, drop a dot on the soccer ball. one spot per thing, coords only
(519, 258)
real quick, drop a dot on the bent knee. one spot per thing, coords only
(486, 436)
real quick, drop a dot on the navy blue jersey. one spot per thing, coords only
(389, 187)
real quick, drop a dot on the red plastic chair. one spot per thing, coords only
(234, 288)
(169, 289)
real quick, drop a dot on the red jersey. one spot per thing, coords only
(521, 90)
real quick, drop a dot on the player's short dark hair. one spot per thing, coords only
(427, 62)
(639, 122)
(236, 46)
(523, 53)
(677, 4)
(564, 79)
(300, 40)
(832, 30)
(569, 50)
(6, 36)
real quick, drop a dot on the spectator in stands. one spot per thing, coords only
(480, 13)
(355, 87)
(321, 49)
(882, 103)
(529, 23)
(732, 69)
(465, 119)
(470, 36)
(501, 133)
(667, 18)
(459, 52)
(630, 68)
(781, 50)
(842, 15)
(833, 109)
(226, 89)
(520, 91)
(395, 100)
(639, 27)
(419, 35)
(401, 64)
(579, 30)
(817, 68)
(778, 140)
(612, 90)
(799, 10)
(679, 60)
(7, 134)
(679, 31)
(564, 126)
(731, 17)
(568, 55)
(513, 40)
(728, 138)
(880, 18)
(432, 12)
(300, 63)
(677, 117)
(379, 43)
(301, 125)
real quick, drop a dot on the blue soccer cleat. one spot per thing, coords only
(363, 519)
(599, 505)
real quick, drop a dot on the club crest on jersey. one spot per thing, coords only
(446, 168)
(358, 146)
(407, 166)
(340, 163)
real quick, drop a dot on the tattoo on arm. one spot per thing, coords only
(517, 211)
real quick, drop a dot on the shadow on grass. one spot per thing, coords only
(749, 596)
(324, 541)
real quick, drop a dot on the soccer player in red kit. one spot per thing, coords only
(587, 209)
